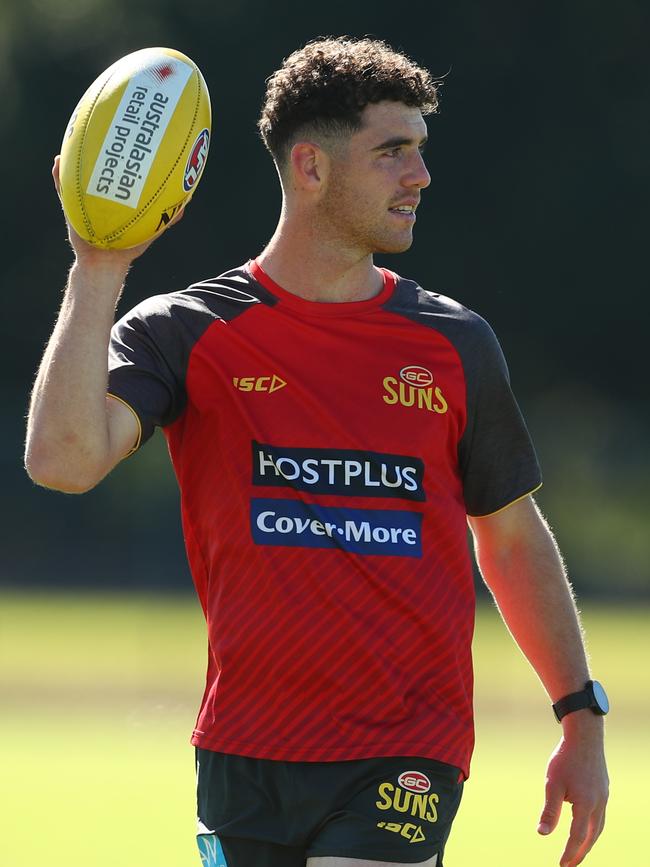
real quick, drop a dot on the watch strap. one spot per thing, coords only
(573, 701)
(584, 698)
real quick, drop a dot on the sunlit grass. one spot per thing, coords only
(99, 695)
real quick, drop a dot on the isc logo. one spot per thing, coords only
(413, 833)
(258, 383)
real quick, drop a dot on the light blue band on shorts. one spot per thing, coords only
(211, 851)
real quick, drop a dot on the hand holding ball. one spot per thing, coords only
(135, 148)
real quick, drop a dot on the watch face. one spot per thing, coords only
(601, 697)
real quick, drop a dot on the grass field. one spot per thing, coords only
(99, 694)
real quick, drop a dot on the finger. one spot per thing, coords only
(602, 823)
(552, 809)
(589, 841)
(596, 827)
(56, 174)
(178, 217)
(579, 836)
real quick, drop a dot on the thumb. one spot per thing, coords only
(552, 809)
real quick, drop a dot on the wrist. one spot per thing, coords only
(97, 278)
(100, 264)
(582, 721)
(584, 730)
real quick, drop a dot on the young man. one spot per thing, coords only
(333, 427)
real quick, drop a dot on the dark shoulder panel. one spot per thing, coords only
(226, 296)
(431, 309)
(496, 457)
(151, 345)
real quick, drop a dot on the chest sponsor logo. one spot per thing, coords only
(296, 524)
(346, 472)
(268, 384)
(415, 386)
(418, 805)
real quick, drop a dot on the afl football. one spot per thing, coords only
(135, 148)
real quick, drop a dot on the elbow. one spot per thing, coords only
(58, 475)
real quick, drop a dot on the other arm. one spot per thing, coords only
(521, 564)
(75, 433)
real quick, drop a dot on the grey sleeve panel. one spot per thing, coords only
(147, 358)
(150, 347)
(496, 457)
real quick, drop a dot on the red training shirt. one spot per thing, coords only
(327, 456)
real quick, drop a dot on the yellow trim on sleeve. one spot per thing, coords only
(138, 422)
(511, 503)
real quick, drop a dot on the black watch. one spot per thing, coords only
(592, 696)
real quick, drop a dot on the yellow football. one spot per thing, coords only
(135, 148)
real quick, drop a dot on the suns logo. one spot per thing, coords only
(415, 387)
(420, 805)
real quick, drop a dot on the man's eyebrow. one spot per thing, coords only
(398, 141)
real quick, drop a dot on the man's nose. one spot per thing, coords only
(418, 176)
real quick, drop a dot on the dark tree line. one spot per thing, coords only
(536, 217)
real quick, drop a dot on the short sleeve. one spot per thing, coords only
(146, 364)
(497, 459)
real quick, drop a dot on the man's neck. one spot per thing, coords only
(317, 271)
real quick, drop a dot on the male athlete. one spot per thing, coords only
(333, 427)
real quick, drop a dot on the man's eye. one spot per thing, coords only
(394, 152)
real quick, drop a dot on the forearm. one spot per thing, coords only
(525, 573)
(522, 566)
(68, 437)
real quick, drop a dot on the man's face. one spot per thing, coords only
(374, 184)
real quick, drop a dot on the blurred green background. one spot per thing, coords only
(537, 217)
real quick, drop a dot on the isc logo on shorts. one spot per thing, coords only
(413, 833)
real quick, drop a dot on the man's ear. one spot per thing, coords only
(309, 164)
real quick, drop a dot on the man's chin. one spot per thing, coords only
(394, 245)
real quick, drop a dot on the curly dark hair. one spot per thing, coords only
(324, 87)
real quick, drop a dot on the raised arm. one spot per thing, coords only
(75, 433)
(522, 566)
